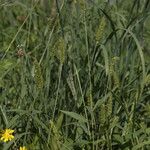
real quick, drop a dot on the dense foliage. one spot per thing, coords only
(75, 74)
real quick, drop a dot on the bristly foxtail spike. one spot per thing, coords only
(38, 75)
(100, 30)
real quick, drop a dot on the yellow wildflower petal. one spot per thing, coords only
(23, 148)
(7, 135)
(10, 131)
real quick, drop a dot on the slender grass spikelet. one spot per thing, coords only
(113, 72)
(127, 128)
(38, 75)
(100, 30)
(109, 106)
(116, 79)
(89, 98)
(114, 76)
(55, 137)
(111, 69)
(102, 114)
(53, 129)
(60, 50)
(71, 85)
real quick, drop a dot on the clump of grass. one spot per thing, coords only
(82, 79)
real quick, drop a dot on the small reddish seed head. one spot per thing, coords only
(20, 53)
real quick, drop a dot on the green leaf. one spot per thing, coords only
(75, 116)
(5, 66)
(59, 121)
(140, 145)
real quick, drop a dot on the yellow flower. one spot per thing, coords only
(7, 135)
(23, 148)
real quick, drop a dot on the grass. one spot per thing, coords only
(75, 74)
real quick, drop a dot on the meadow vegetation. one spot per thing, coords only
(74, 75)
